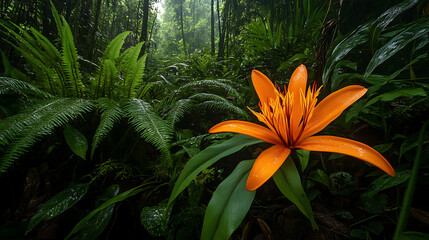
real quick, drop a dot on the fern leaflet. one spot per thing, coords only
(34, 122)
(112, 113)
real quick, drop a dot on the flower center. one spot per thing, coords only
(286, 117)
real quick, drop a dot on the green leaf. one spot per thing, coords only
(354, 39)
(229, 204)
(410, 235)
(76, 141)
(384, 19)
(207, 157)
(93, 228)
(155, 219)
(288, 181)
(84, 221)
(58, 204)
(385, 181)
(398, 42)
(390, 96)
(304, 158)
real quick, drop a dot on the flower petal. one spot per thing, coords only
(263, 86)
(297, 85)
(247, 128)
(331, 107)
(266, 165)
(347, 147)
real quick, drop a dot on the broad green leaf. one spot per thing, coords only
(409, 143)
(384, 19)
(398, 42)
(390, 96)
(84, 221)
(58, 204)
(76, 141)
(291, 60)
(410, 235)
(99, 222)
(207, 157)
(288, 181)
(304, 157)
(354, 39)
(229, 204)
(155, 219)
(321, 177)
(354, 110)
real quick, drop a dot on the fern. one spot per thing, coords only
(177, 111)
(21, 131)
(69, 60)
(220, 84)
(114, 47)
(131, 68)
(136, 76)
(43, 65)
(10, 85)
(106, 78)
(112, 113)
(107, 71)
(213, 101)
(149, 124)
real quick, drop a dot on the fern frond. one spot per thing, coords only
(57, 19)
(177, 111)
(111, 114)
(25, 128)
(114, 47)
(136, 77)
(107, 74)
(216, 102)
(11, 85)
(69, 60)
(149, 124)
(42, 63)
(131, 68)
(219, 84)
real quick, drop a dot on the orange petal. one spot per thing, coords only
(247, 128)
(331, 107)
(297, 84)
(263, 86)
(347, 147)
(266, 165)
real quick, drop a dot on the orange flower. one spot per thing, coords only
(292, 119)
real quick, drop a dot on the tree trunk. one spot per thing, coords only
(222, 31)
(143, 36)
(95, 28)
(212, 38)
(181, 23)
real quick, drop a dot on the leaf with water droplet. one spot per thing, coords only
(76, 141)
(155, 219)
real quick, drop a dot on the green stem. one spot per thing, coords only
(409, 192)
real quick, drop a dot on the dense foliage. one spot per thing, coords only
(105, 108)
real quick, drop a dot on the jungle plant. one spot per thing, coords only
(292, 118)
